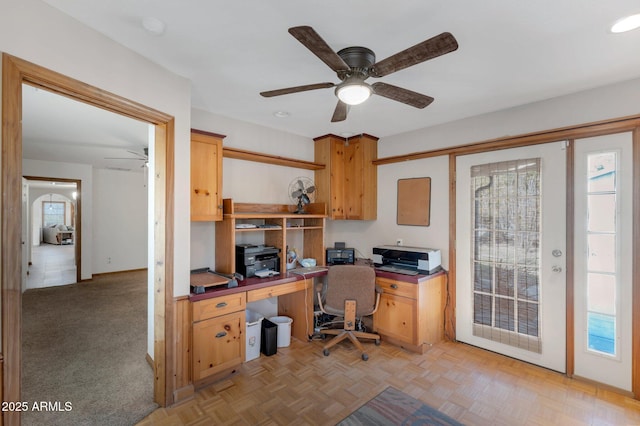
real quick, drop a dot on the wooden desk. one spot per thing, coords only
(411, 315)
(218, 320)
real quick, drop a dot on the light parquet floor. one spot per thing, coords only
(300, 386)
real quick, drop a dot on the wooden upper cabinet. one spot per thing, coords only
(206, 176)
(349, 182)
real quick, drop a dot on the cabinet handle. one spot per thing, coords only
(221, 334)
(394, 286)
(221, 305)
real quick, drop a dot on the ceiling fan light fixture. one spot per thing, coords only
(625, 24)
(353, 92)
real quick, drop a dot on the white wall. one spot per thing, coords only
(80, 172)
(119, 221)
(618, 100)
(246, 181)
(114, 215)
(364, 235)
(36, 32)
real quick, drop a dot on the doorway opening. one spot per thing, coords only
(15, 73)
(52, 214)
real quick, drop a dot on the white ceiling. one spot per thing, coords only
(511, 53)
(57, 128)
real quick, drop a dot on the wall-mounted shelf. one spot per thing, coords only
(258, 157)
(274, 222)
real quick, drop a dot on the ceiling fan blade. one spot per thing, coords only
(399, 94)
(296, 89)
(340, 113)
(312, 41)
(428, 49)
(125, 158)
(137, 154)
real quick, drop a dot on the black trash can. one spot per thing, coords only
(269, 337)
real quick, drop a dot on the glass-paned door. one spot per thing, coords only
(603, 259)
(510, 232)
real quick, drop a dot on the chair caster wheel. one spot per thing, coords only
(365, 357)
(325, 352)
(377, 342)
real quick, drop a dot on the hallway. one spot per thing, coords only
(51, 265)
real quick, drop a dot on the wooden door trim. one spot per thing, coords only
(635, 304)
(15, 72)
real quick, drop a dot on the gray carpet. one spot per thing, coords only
(85, 344)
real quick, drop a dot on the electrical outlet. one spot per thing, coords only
(399, 242)
(108, 260)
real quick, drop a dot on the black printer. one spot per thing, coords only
(253, 258)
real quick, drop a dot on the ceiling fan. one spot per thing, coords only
(354, 65)
(138, 156)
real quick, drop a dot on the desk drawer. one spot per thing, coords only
(398, 288)
(217, 306)
(275, 290)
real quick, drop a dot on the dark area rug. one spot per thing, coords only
(392, 407)
(84, 348)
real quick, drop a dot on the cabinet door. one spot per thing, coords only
(337, 179)
(361, 183)
(396, 317)
(206, 178)
(218, 344)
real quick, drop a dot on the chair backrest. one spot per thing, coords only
(351, 282)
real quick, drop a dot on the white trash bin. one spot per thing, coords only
(284, 330)
(254, 327)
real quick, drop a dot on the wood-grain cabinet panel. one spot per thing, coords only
(206, 176)
(218, 344)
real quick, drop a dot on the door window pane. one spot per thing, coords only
(601, 292)
(602, 212)
(602, 240)
(602, 172)
(506, 252)
(602, 251)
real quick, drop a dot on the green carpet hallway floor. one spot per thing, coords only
(84, 348)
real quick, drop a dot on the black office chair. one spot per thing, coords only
(351, 293)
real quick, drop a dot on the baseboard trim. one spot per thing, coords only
(183, 394)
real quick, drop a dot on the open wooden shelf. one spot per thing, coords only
(281, 216)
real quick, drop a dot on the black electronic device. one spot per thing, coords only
(344, 256)
(253, 258)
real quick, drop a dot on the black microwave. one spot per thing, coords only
(344, 256)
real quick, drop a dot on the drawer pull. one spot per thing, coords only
(221, 305)
(221, 334)
(394, 286)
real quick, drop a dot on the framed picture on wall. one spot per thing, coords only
(414, 201)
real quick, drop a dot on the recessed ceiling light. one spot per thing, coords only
(625, 24)
(281, 114)
(153, 25)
